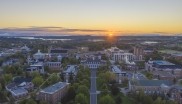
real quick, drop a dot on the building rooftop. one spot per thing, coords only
(18, 91)
(54, 88)
(163, 73)
(37, 64)
(161, 62)
(164, 64)
(70, 69)
(153, 82)
(115, 69)
(19, 80)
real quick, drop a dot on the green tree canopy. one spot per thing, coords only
(83, 89)
(7, 77)
(81, 99)
(37, 81)
(107, 99)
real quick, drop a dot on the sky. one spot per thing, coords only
(92, 16)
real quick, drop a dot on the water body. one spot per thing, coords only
(150, 42)
(33, 38)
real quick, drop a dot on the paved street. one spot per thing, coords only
(93, 89)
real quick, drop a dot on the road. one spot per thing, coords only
(93, 89)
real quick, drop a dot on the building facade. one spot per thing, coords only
(116, 54)
(93, 62)
(138, 52)
(53, 65)
(37, 67)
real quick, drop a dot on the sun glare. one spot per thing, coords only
(110, 35)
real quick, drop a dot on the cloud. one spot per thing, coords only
(52, 30)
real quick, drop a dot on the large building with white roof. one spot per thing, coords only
(54, 93)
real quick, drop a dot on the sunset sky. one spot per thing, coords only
(92, 16)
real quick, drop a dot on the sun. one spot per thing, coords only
(110, 35)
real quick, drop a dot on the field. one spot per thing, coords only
(170, 51)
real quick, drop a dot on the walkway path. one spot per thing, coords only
(93, 89)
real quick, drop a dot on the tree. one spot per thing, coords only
(114, 89)
(62, 77)
(71, 92)
(46, 68)
(118, 99)
(81, 99)
(37, 81)
(30, 101)
(0, 87)
(158, 101)
(35, 74)
(53, 79)
(147, 100)
(69, 96)
(71, 77)
(83, 89)
(106, 100)
(43, 102)
(85, 82)
(7, 77)
(149, 75)
(109, 76)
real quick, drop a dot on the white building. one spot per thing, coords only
(39, 55)
(93, 62)
(119, 55)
